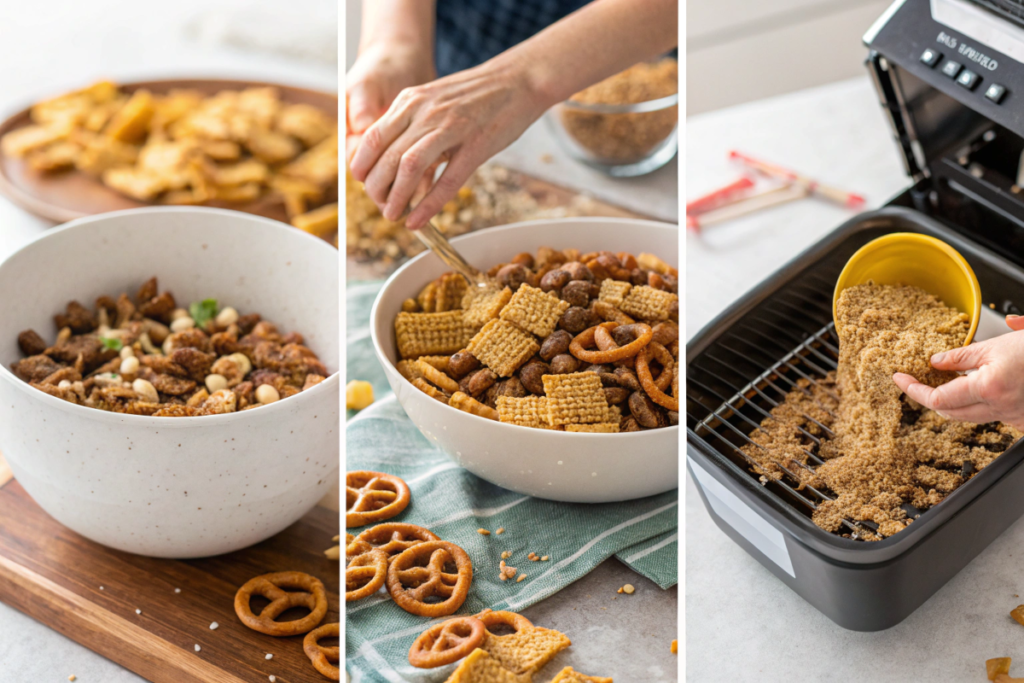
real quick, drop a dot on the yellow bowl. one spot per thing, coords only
(907, 258)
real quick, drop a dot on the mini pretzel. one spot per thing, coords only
(422, 569)
(313, 596)
(373, 497)
(652, 387)
(516, 621)
(587, 337)
(391, 537)
(365, 574)
(446, 642)
(322, 657)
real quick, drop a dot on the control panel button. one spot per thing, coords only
(930, 57)
(996, 93)
(951, 68)
(968, 79)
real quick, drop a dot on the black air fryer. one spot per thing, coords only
(950, 79)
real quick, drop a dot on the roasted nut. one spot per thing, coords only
(513, 276)
(146, 390)
(478, 382)
(554, 280)
(575, 320)
(524, 259)
(673, 417)
(616, 395)
(624, 377)
(577, 293)
(578, 271)
(599, 369)
(638, 276)
(511, 387)
(665, 333)
(564, 364)
(182, 324)
(547, 256)
(129, 365)
(629, 424)
(556, 343)
(530, 375)
(646, 411)
(266, 393)
(227, 316)
(30, 343)
(215, 383)
(462, 363)
(673, 311)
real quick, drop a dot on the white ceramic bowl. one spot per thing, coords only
(569, 467)
(173, 487)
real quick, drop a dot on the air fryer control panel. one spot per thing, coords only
(954, 47)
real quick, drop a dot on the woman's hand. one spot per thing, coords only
(466, 117)
(993, 393)
(381, 71)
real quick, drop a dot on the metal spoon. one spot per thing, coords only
(439, 244)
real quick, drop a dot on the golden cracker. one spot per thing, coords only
(468, 404)
(502, 347)
(430, 390)
(481, 305)
(528, 411)
(597, 428)
(436, 377)
(614, 291)
(534, 310)
(428, 334)
(526, 650)
(648, 303)
(576, 398)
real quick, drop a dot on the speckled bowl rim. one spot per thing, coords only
(330, 383)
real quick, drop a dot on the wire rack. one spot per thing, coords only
(725, 411)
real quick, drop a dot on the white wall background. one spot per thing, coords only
(743, 50)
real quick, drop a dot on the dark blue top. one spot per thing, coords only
(469, 32)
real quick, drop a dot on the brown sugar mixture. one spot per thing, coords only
(885, 455)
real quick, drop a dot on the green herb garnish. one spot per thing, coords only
(203, 311)
(112, 343)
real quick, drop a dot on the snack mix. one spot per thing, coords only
(185, 147)
(887, 458)
(561, 340)
(150, 357)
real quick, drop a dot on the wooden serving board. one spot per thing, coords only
(54, 575)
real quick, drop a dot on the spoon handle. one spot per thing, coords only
(439, 244)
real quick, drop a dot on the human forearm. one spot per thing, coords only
(598, 41)
(405, 23)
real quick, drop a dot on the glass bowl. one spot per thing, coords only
(622, 140)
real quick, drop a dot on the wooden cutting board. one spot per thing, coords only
(54, 575)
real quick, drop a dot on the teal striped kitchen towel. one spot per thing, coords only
(454, 504)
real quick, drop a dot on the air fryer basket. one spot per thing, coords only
(746, 359)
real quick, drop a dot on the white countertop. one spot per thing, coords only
(69, 45)
(742, 623)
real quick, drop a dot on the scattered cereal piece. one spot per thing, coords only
(521, 577)
(506, 554)
(534, 310)
(648, 303)
(138, 611)
(502, 347)
(425, 334)
(570, 675)
(545, 558)
(628, 589)
(483, 532)
(213, 626)
(269, 656)
(358, 394)
(481, 305)
(999, 665)
(675, 647)
(576, 398)
(500, 530)
(101, 587)
(1018, 614)
(197, 648)
(620, 590)
(72, 677)
(176, 590)
(272, 678)
(532, 557)
(614, 291)
(333, 553)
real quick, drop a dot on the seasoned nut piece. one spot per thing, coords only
(173, 386)
(578, 271)
(196, 363)
(462, 363)
(564, 363)
(513, 276)
(665, 333)
(558, 342)
(627, 378)
(158, 307)
(575, 320)
(530, 376)
(30, 343)
(35, 368)
(219, 402)
(577, 293)
(646, 411)
(77, 317)
(616, 395)
(554, 280)
(478, 382)
(629, 424)
(147, 291)
(548, 256)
